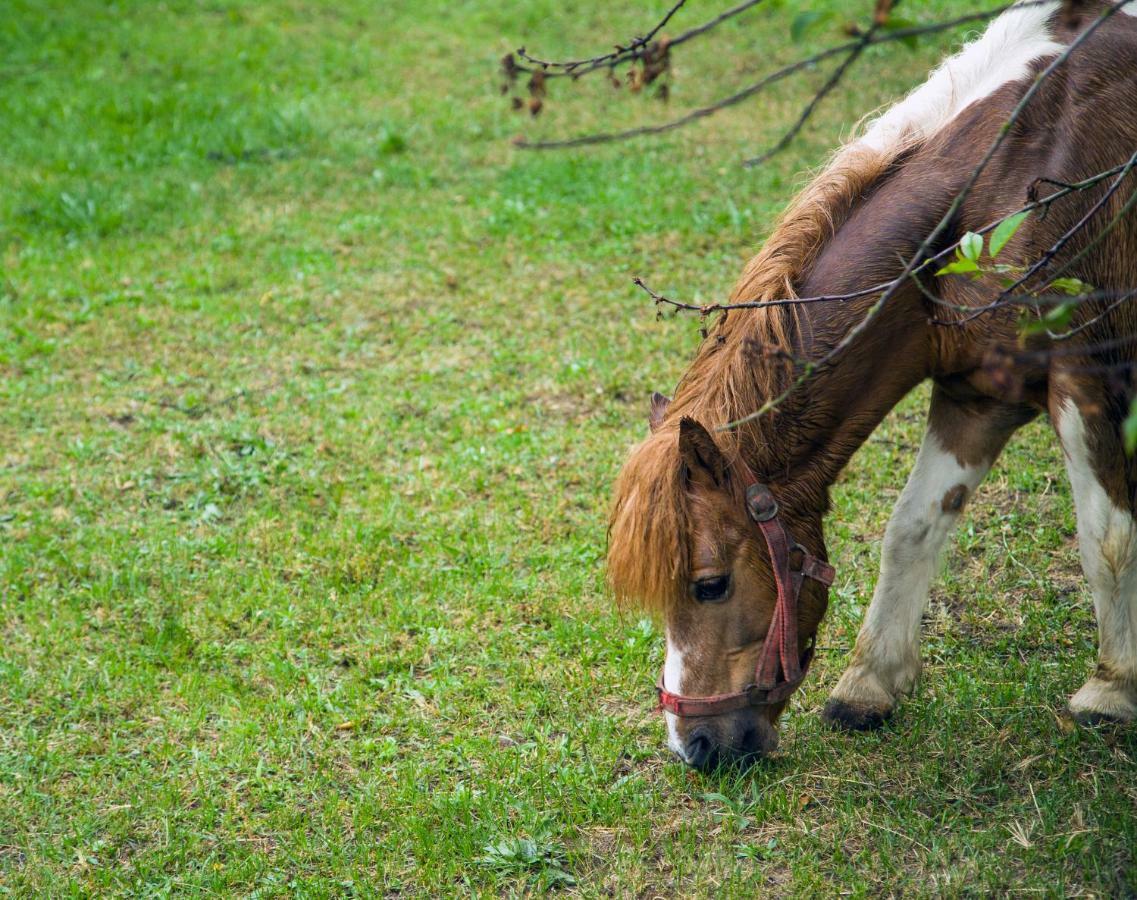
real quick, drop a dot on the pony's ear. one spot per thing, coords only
(700, 453)
(659, 405)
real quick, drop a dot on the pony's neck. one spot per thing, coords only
(882, 208)
(838, 407)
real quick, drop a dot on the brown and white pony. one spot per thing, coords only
(681, 543)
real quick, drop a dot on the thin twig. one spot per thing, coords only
(815, 101)
(746, 93)
(1066, 335)
(632, 55)
(975, 313)
(620, 53)
(707, 309)
(1061, 243)
(693, 116)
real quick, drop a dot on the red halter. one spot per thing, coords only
(780, 651)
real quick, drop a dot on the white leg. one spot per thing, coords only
(886, 661)
(1107, 539)
(962, 442)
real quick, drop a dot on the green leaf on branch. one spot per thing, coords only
(899, 23)
(806, 22)
(1056, 319)
(1073, 287)
(961, 266)
(1129, 429)
(1004, 232)
(966, 257)
(971, 246)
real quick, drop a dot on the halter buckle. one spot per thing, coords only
(760, 503)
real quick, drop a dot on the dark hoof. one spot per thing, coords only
(852, 716)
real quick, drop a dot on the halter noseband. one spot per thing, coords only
(780, 650)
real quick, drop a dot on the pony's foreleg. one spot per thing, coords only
(962, 441)
(1107, 539)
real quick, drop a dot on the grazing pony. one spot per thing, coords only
(719, 530)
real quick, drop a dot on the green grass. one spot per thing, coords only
(311, 393)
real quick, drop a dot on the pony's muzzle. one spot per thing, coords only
(723, 740)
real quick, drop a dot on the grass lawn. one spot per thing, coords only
(312, 390)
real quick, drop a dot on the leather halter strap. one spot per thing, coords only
(779, 655)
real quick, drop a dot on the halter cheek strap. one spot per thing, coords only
(779, 655)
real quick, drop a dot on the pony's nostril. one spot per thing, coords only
(758, 740)
(751, 742)
(699, 749)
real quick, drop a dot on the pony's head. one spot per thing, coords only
(683, 546)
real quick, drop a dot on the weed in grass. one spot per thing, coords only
(539, 860)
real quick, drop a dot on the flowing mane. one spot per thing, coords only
(738, 367)
(729, 378)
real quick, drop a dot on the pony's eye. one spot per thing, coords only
(711, 590)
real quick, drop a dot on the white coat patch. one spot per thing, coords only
(1003, 54)
(673, 681)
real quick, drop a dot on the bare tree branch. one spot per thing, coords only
(878, 37)
(693, 116)
(607, 59)
(578, 68)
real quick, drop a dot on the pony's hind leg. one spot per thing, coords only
(963, 439)
(1107, 539)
